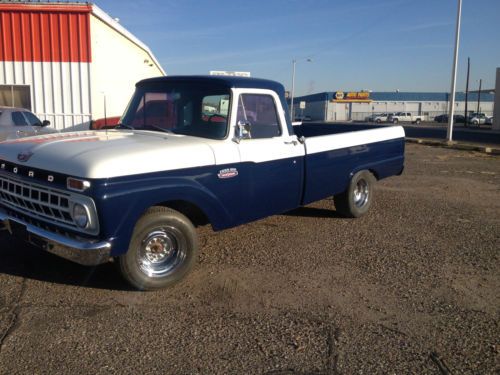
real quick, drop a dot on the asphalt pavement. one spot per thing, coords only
(482, 135)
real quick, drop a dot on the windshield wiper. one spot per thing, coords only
(123, 126)
(158, 128)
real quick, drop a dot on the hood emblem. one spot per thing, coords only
(24, 156)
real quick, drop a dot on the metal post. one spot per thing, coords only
(293, 89)
(449, 135)
(467, 90)
(479, 96)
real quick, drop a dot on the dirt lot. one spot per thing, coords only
(413, 287)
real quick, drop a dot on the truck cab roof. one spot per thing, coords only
(227, 81)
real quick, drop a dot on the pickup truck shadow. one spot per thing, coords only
(18, 258)
(313, 212)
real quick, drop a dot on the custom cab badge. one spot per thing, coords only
(24, 156)
(227, 173)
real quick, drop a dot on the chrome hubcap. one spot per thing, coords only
(361, 193)
(162, 251)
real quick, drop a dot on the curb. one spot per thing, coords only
(455, 145)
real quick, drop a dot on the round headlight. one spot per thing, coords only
(80, 216)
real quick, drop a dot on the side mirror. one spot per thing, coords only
(45, 123)
(243, 130)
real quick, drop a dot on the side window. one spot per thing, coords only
(32, 119)
(18, 119)
(215, 108)
(260, 112)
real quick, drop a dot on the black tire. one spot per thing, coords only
(163, 249)
(395, 121)
(417, 121)
(357, 199)
(379, 121)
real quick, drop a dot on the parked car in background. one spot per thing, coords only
(20, 122)
(477, 119)
(406, 117)
(457, 119)
(378, 118)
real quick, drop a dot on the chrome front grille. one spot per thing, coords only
(37, 201)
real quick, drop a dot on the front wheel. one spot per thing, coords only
(357, 199)
(395, 121)
(163, 249)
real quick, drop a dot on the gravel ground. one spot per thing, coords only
(413, 287)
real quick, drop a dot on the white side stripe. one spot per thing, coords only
(355, 138)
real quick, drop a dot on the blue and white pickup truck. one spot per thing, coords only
(189, 150)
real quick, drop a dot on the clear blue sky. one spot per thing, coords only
(380, 45)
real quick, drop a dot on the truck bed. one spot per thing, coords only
(334, 153)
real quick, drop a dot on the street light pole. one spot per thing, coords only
(479, 97)
(294, 62)
(292, 94)
(467, 90)
(449, 135)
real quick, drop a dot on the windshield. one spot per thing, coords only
(181, 108)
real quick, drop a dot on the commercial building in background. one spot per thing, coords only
(69, 62)
(358, 106)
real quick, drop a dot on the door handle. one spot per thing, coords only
(295, 143)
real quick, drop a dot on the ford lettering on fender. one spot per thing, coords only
(188, 151)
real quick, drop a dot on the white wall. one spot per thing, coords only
(59, 90)
(117, 64)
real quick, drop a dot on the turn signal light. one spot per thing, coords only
(76, 184)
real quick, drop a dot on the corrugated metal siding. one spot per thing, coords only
(48, 48)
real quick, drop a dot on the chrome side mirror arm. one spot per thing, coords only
(243, 131)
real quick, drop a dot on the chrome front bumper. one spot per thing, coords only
(81, 251)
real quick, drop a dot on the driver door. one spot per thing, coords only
(271, 159)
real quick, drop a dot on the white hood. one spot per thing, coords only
(102, 154)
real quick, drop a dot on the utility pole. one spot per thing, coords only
(479, 96)
(294, 62)
(449, 135)
(467, 89)
(292, 94)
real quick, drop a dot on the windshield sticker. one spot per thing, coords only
(227, 173)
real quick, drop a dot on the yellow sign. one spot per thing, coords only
(352, 96)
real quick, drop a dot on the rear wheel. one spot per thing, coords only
(417, 121)
(163, 249)
(395, 121)
(357, 199)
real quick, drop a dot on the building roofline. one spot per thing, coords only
(108, 20)
(79, 7)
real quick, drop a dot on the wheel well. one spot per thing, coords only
(373, 173)
(191, 211)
